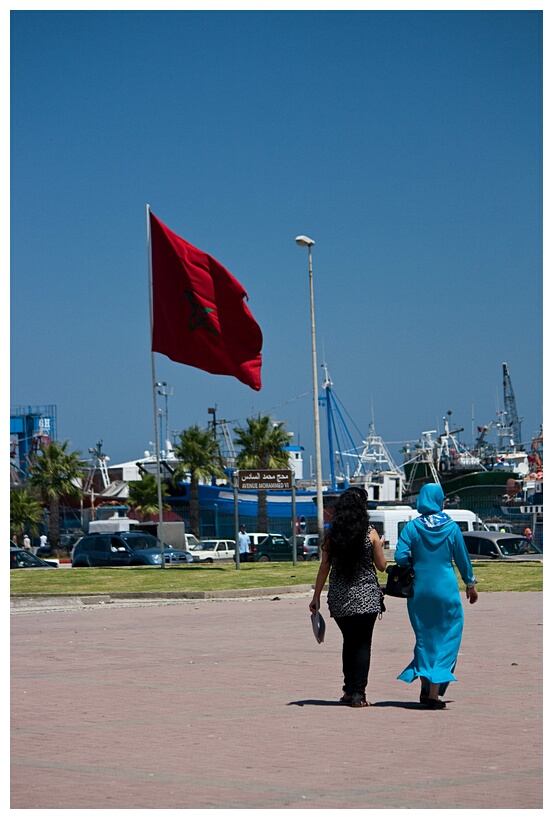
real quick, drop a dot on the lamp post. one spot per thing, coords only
(159, 385)
(305, 241)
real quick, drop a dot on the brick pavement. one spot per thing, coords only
(232, 704)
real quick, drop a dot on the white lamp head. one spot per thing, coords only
(304, 241)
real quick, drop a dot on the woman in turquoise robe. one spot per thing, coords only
(431, 543)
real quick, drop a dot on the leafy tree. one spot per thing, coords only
(143, 496)
(56, 474)
(262, 443)
(200, 458)
(25, 512)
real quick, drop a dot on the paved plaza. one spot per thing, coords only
(232, 704)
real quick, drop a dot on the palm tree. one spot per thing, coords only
(262, 445)
(56, 474)
(25, 512)
(143, 496)
(200, 458)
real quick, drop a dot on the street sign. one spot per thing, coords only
(302, 524)
(262, 479)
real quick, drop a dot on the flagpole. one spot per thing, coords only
(154, 393)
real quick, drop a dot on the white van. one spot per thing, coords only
(190, 541)
(390, 520)
(468, 521)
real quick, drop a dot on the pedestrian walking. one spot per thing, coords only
(243, 544)
(26, 542)
(429, 544)
(351, 552)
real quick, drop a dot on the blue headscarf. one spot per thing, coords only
(430, 504)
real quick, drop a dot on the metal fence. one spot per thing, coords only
(217, 524)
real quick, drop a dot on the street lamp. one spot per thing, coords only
(164, 392)
(305, 241)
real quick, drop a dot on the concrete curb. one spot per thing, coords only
(54, 601)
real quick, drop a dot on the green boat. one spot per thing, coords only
(467, 481)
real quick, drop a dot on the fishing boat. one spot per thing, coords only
(373, 469)
(529, 496)
(464, 477)
(483, 478)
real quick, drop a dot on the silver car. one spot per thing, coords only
(308, 547)
(501, 546)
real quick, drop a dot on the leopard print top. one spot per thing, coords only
(358, 595)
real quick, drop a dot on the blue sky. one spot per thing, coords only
(408, 145)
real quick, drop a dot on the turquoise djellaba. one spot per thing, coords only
(432, 543)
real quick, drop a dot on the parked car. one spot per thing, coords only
(210, 550)
(191, 541)
(500, 546)
(125, 549)
(308, 547)
(255, 539)
(271, 547)
(22, 559)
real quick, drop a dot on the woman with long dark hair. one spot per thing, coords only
(351, 552)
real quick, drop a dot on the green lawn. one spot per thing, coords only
(491, 576)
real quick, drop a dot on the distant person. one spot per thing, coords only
(351, 552)
(43, 541)
(243, 543)
(27, 543)
(528, 534)
(430, 543)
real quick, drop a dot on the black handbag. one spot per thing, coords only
(400, 581)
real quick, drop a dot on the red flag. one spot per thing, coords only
(200, 317)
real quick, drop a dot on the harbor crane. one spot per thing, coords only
(512, 425)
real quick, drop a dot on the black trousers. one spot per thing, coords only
(357, 631)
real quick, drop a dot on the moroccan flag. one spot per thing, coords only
(200, 316)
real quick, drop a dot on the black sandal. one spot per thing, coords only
(358, 701)
(435, 705)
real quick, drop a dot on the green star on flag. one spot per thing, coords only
(197, 319)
